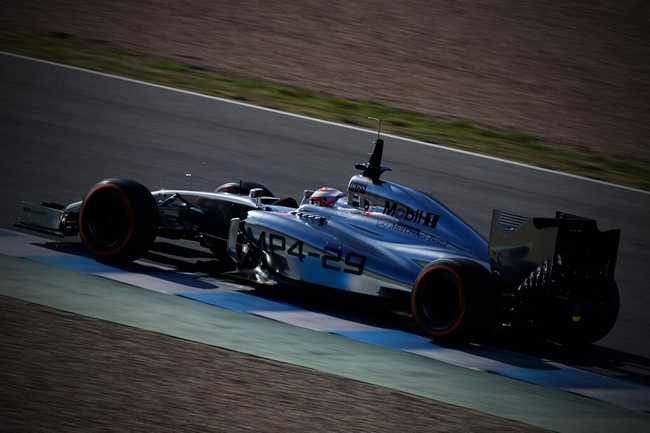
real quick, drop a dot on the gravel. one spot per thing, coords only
(64, 372)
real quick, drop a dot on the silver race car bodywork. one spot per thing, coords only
(552, 277)
(376, 240)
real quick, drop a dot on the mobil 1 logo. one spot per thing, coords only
(416, 216)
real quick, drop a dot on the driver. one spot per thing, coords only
(325, 197)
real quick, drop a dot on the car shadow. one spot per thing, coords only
(179, 267)
(389, 314)
(531, 353)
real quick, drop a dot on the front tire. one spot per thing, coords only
(243, 188)
(118, 220)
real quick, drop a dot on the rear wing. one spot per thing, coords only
(519, 244)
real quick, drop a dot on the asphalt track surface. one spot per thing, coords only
(62, 130)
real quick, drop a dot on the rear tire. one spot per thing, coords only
(596, 320)
(453, 300)
(118, 220)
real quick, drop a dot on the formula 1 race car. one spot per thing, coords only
(548, 277)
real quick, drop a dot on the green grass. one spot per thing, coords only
(460, 134)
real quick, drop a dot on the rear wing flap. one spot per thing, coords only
(519, 244)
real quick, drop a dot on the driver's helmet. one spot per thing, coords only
(325, 197)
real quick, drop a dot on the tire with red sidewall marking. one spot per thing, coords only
(118, 220)
(219, 249)
(453, 299)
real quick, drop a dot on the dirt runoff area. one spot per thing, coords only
(573, 73)
(82, 374)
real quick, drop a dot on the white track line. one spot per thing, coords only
(327, 122)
